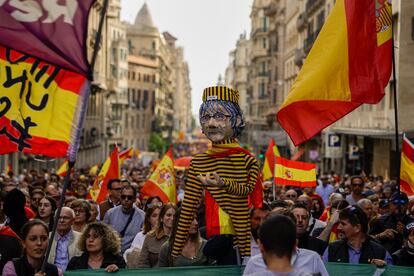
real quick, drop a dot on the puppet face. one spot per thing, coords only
(216, 123)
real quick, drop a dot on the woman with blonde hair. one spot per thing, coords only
(156, 238)
(82, 209)
(101, 246)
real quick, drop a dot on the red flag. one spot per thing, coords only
(162, 180)
(407, 167)
(126, 154)
(348, 65)
(110, 170)
(270, 160)
(63, 169)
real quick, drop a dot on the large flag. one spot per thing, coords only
(270, 160)
(295, 173)
(63, 169)
(110, 170)
(53, 31)
(126, 154)
(407, 167)
(348, 65)
(162, 180)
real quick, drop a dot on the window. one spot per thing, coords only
(264, 43)
(262, 90)
(264, 23)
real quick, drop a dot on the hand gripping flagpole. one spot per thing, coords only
(73, 151)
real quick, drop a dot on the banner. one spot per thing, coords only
(407, 167)
(41, 106)
(54, 31)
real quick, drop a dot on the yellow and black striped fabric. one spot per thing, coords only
(239, 172)
(220, 93)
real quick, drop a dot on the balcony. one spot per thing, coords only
(259, 52)
(271, 9)
(313, 5)
(260, 30)
(302, 21)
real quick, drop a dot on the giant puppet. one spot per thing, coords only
(226, 172)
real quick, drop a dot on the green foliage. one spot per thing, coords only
(157, 143)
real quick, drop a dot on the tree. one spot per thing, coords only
(157, 143)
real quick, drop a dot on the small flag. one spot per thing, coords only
(63, 169)
(162, 180)
(110, 170)
(126, 154)
(407, 167)
(295, 173)
(269, 164)
(94, 170)
(341, 73)
(8, 169)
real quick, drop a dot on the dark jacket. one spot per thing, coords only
(10, 246)
(23, 268)
(104, 207)
(81, 262)
(338, 252)
(404, 257)
(312, 243)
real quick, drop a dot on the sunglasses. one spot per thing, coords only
(129, 197)
(291, 196)
(358, 185)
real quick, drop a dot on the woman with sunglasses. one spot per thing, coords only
(82, 209)
(155, 239)
(101, 245)
(35, 237)
(131, 255)
(46, 211)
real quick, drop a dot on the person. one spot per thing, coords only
(114, 197)
(64, 245)
(325, 189)
(100, 245)
(277, 241)
(126, 219)
(37, 195)
(302, 259)
(131, 255)
(357, 247)
(292, 195)
(192, 253)
(35, 237)
(155, 239)
(388, 229)
(305, 240)
(405, 256)
(10, 243)
(330, 233)
(257, 216)
(153, 201)
(227, 173)
(367, 206)
(13, 208)
(357, 186)
(94, 211)
(314, 223)
(82, 210)
(47, 207)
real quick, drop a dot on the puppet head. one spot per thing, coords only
(220, 114)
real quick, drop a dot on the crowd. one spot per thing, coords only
(351, 220)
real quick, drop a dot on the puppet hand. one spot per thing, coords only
(211, 179)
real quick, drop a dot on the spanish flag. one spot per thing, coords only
(109, 170)
(63, 169)
(407, 167)
(295, 173)
(348, 65)
(126, 154)
(269, 163)
(162, 180)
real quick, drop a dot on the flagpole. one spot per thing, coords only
(274, 181)
(98, 35)
(71, 164)
(397, 135)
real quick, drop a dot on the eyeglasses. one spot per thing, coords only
(64, 218)
(129, 197)
(304, 202)
(358, 185)
(220, 117)
(78, 211)
(116, 189)
(291, 196)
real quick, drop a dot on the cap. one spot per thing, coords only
(399, 198)
(383, 203)
(408, 228)
(221, 93)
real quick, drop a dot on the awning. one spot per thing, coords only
(367, 132)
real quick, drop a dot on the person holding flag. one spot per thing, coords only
(227, 173)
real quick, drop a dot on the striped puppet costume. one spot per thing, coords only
(227, 174)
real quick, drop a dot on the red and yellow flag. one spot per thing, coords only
(407, 167)
(63, 169)
(295, 173)
(41, 106)
(109, 170)
(348, 65)
(270, 159)
(126, 154)
(162, 180)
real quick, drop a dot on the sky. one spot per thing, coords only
(207, 29)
